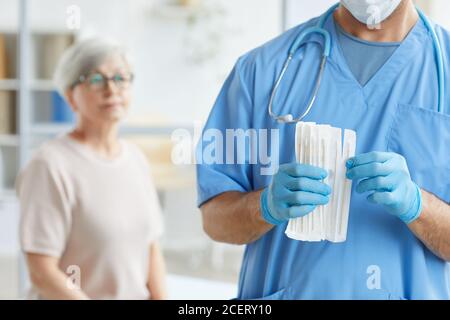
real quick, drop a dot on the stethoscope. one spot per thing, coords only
(319, 29)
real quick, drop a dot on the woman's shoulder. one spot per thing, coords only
(46, 162)
(51, 152)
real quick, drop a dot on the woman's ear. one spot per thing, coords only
(69, 95)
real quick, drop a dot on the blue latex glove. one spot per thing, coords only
(296, 190)
(386, 175)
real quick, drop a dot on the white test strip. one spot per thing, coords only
(321, 145)
(314, 162)
(310, 161)
(336, 151)
(308, 150)
(295, 224)
(348, 152)
(301, 159)
(297, 228)
(326, 164)
(320, 164)
(305, 147)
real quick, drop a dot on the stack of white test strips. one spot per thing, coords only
(322, 146)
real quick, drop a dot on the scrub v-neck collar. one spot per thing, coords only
(391, 68)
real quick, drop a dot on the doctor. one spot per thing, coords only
(380, 80)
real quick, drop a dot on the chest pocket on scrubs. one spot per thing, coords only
(422, 136)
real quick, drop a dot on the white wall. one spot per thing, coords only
(168, 83)
(299, 11)
(175, 85)
(302, 10)
(440, 12)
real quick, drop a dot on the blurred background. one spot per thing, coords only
(182, 51)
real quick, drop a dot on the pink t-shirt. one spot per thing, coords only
(97, 216)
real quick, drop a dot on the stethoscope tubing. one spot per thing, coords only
(319, 29)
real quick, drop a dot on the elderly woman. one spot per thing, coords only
(90, 217)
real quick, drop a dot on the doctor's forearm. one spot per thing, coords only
(234, 217)
(433, 225)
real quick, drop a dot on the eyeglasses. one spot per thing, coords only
(98, 81)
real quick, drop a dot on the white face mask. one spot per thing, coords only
(371, 12)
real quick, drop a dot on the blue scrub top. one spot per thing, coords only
(395, 111)
(364, 58)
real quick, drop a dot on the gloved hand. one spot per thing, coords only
(386, 175)
(296, 190)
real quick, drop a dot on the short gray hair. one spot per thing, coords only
(82, 57)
